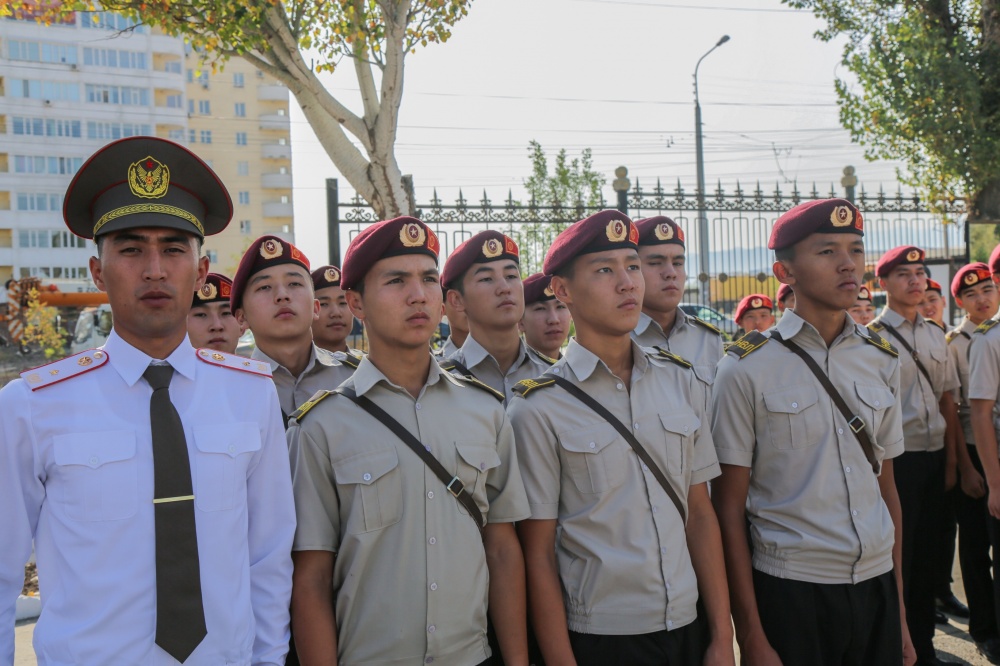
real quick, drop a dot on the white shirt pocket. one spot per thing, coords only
(95, 476)
(219, 467)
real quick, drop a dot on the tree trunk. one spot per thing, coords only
(986, 205)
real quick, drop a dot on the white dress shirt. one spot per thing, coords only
(76, 475)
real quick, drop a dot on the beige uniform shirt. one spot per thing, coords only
(815, 508)
(959, 341)
(485, 368)
(448, 348)
(410, 577)
(984, 369)
(696, 344)
(923, 423)
(621, 545)
(323, 371)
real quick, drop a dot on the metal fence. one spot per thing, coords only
(739, 225)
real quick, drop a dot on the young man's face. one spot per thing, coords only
(150, 276)
(457, 321)
(826, 270)
(932, 306)
(545, 325)
(278, 303)
(213, 326)
(492, 295)
(906, 284)
(664, 274)
(760, 319)
(787, 304)
(401, 305)
(979, 301)
(862, 312)
(335, 320)
(603, 291)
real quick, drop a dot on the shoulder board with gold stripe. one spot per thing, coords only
(931, 321)
(987, 325)
(955, 333)
(876, 327)
(705, 324)
(483, 386)
(670, 356)
(65, 368)
(750, 342)
(234, 362)
(317, 397)
(883, 344)
(526, 386)
(541, 357)
(350, 360)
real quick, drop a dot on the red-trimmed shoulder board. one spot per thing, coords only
(63, 369)
(234, 362)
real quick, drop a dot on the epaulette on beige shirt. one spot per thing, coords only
(485, 368)
(695, 341)
(323, 371)
(814, 505)
(959, 341)
(984, 367)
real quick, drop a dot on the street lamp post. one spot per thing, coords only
(703, 249)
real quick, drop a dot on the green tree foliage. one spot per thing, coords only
(40, 327)
(925, 90)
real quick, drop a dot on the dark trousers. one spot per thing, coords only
(975, 561)
(920, 484)
(946, 554)
(681, 647)
(812, 624)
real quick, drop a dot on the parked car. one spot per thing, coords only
(712, 316)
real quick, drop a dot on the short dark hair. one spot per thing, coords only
(785, 253)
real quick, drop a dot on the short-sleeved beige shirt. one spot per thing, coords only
(621, 544)
(486, 369)
(410, 577)
(323, 371)
(959, 341)
(448, 348)
(696, 344)
(923, 423)
(815, 508)
(984, 369)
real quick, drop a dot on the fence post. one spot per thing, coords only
(621, 185)
(333, 220)
(849, 181)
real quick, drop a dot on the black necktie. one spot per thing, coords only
(180, 616)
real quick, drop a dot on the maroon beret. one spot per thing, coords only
(898, 256)
(606, 230)
(822, 216)
(144, 181)
(753, 302)
(994, 261)
(969, 276)
(784, 291)
(325, 276)
(263, 253)
(536, 288)
(659, 230)
(389, 238)
(484, 247)
(865, 294)
(217, 287)
(934, 285)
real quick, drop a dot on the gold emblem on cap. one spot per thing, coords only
(664, 231)
(913, 255)
(492, 248)
(208, 292)
(332, 275)
(271, 249)
(971, 278)
(148, 178)
(756, 303)
(548, 292)
(617, 231)
(412, 235)
(841, 217)
(85, 361)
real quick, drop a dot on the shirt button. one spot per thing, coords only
(434, 586)
(619, 386)
(848, 469)
(876, 403)
(232, 448)
(635, 426)
(840, 431)
(644, 467)
(429, 660)
(367, 477)
(94, 460)
(854, 513)
(592, 445)
(670, 624)
(555, 371)
(432, 541)
(431, 629)
(663, 549)
(655, 509)
(482, 467)
(795, 405)
(418, 406)
(430, 494)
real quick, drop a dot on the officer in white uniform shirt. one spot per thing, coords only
(152, 477)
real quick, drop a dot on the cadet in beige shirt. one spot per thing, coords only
(273, 296)
(930, 429)
(662, 323)
(614, 574)
(483, 280)
(822, 587)
(410, 572)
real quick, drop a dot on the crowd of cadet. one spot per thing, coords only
(642, 493)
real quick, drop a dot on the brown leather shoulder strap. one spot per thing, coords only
(913, 352)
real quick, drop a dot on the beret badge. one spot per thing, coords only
(841, 217)
(208, 292)
(971, 279)
(331, 275)
(412, 235)
(616, 231)
(548, 292)
(271, 249)
(756, 303)
(864, 294)
(664, 231)
(913, 255)
(492, 248)
(148, 178)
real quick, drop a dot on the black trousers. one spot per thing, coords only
(812, 624)
(975, 561)
(946, 554)
(920, 484)
(681, 647)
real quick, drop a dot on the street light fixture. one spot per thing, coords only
(703, 249)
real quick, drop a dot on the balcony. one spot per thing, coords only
(275, 121)
(276, 181)
(276, 151)
(272, 93)
(277, 209)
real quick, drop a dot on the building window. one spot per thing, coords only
(190, 76)
(42, 52)
(48, 90)
(245, 198)
(46, 127)
(176, 135)
(243, 168)
(241, 138)
(284, 198)
(237, 80)
(204, 107)
(206, 136)
(192, 136)
(175, 101)
(241, 109)
(213, 256)
(245, 227)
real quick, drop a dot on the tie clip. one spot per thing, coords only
(164, 500)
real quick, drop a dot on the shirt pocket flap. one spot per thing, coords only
(592, 439)
(705, 374)
(230, 439)
(480, 457)
(876, 397)
(791, 400)
(938, 354)
(684, 425)
(94, 449)
(366, 468)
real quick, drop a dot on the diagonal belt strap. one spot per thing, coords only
(854, 421)
(640, 451)
(180, 615)
(913, 352)
(450, 481)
